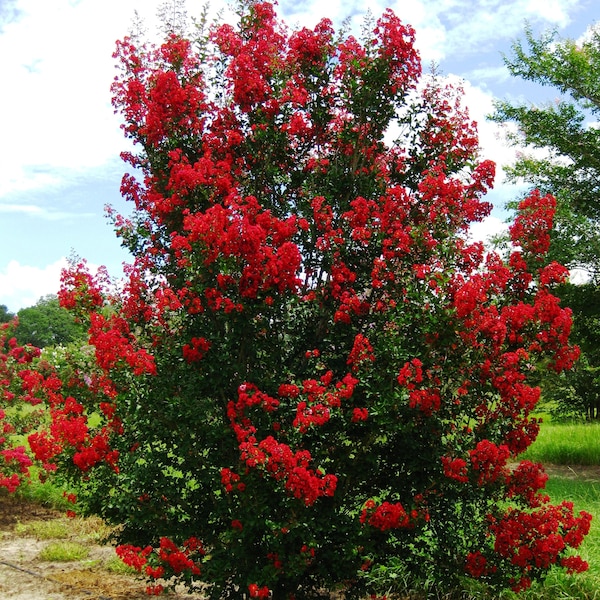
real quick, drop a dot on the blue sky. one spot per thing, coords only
(60, 141)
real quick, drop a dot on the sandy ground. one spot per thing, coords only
(24, 576)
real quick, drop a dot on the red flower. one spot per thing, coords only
(359, 414)
(258, 592)
(455, 468)
(476, 564)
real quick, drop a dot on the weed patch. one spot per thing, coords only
(44, 530)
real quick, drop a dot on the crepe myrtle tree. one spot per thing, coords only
(312, 380)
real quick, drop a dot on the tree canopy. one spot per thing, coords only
(560, 137)
(5, 314)
(47, 324)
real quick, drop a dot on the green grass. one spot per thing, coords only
(64, 551)
(585, 495)
(566, 444)
(47, 494)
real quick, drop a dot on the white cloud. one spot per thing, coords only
(491, 226)
(48, 214)
(455, 27)
(579, 276)
(308, 14)
(486, 75)
(22, 286)
(592, 31)
(491, 135)
(553, 11)
(27, 209)
(56, 100)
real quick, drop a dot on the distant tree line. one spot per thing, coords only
(44, 324)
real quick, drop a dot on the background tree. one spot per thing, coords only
(311, 380)
(564, 144)
(5, 314)
(562, 157)
(48, 324)
(576, 393)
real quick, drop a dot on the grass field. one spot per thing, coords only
(566, 444)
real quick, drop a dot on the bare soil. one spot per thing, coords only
(24, 576)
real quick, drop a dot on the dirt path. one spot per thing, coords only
(580, 473)
(24, 576)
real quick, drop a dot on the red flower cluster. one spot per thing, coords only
(80, 291)
(388, 515)
(21, 384)
(476, 564)
(229, 479)
(531, 229)
(455, 468)
(397, 47)
(178, 560)
(361, 354)
(536, 540)
(276, 458)
(489, 461)
(112, 340)
(259, 243)
(385, 516)
(525, 482)
(196, 350)
(166, 561)
(258, 592)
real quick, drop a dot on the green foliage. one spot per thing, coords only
(584, 301)
(47, 324)
(576, 393)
